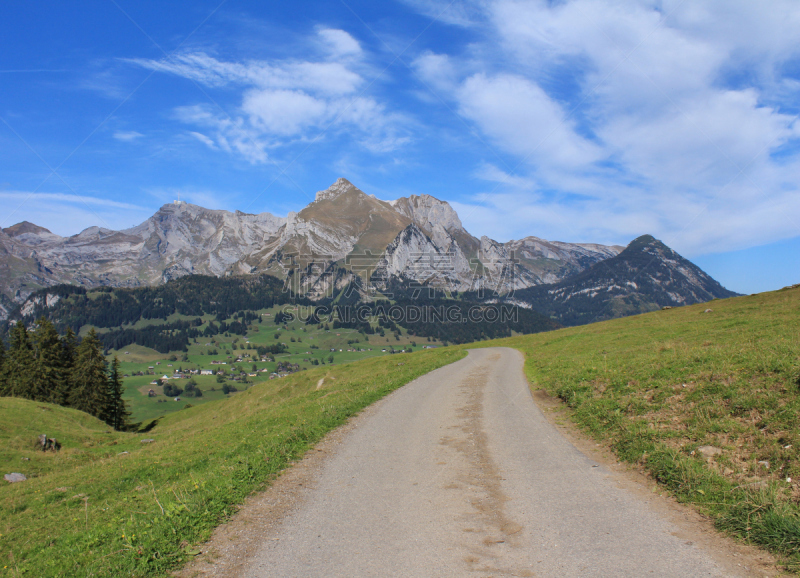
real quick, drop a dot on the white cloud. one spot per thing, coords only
(632, 116)
(233, 135)
(127, 135)
(327, 78)
(339, 43)
(282, 101)
(520, 117)
(203, 139)
(436, 70)
(458, 13)
(283, 112)
(44, 198)
(704, 143)
(489, 172)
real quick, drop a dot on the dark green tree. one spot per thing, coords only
(89, 380)
(2, 362)
(69, 352)
(118, 415)
(17, 372)
(48, 377)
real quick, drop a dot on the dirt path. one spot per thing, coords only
(460, 474)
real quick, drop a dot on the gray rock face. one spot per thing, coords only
(419, 238)
(413, 255)
(427, 212)
(14, 478)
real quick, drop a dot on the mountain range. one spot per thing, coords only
(347, 235)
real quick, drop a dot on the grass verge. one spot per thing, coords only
(708, 402)
(109, 505)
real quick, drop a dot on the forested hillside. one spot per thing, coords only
(230, 300)
(169, 317)
(42, 366)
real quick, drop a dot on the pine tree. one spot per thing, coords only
(118, 415)
(19, 364)
(89, 381)
(2, 363)
(69, 347)
(48, 374)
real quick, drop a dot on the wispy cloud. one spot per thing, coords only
(67, 214)
(127, 135)
(287, 100)
(204, 139)
(466, 13)
(674, 118)
(42, 198)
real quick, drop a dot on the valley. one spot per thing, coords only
(307, 346)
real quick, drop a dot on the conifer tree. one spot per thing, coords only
(89, 380)
(48, 374)
(69, 347)
(19, 364)
(118, 415)
(2, 363)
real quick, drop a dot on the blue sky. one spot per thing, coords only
(572, 120)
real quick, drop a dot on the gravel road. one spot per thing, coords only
(460, 474)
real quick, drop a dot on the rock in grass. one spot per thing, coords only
(48, 444)
(709, 451)
(14, 477)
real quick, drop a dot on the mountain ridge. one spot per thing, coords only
(342, 236)
(181, 239)
(646, 276)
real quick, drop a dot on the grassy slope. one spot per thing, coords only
(659, 386)
(93, 510)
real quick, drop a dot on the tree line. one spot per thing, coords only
(447, 320)
(41, 365)
(190, 296)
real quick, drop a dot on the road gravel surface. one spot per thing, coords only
(460, 474)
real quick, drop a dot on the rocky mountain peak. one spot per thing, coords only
(428, 211)
(646, 276)
(642, 241)
(340, 187)
(31, 235)
(24, 228)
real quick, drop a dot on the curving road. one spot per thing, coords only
(459, 474)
